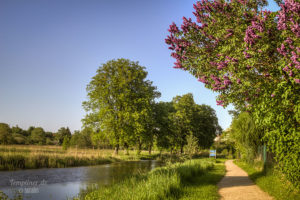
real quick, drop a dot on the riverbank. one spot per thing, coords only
(14, 157)
(192, 179)
(270, 181)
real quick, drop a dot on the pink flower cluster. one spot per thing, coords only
(289, 9)
(173, 28)
(227, 81)
(250, 35)
(219, 84)
(247, 55)
(203, 79)
(282, 50)
(203, 7)
(288, 20)
(222, 65)
(177, 44)
(220, 102)
(294, 59)
(187, 23)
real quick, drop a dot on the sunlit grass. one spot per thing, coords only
(194, 179)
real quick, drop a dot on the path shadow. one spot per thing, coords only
(235, 181)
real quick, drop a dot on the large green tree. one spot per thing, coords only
(250, 56)
(119, 102)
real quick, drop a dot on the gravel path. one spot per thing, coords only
(236, 185)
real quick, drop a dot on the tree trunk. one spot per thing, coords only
(126, 149)
(116, 149)
(139, 148)
(181, 149)
(150, 148)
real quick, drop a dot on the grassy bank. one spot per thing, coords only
(194, 179)
(14, 157)
(270, 181)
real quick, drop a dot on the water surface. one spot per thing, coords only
(61, 183)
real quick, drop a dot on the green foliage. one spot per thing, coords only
(66, 143)
(205, 125)
(190, 118)
(62, 133)
(30, 129)
(19, 138)
(5, 134)
(119, 102)
(163, 127)
(18, 130)
(81, 139)
(247, 137)
(38, 136)
(183, 118)
(16, 135)
(192, 145)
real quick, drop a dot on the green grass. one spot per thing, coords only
(193, 179)
(271, 181)
(204, 186)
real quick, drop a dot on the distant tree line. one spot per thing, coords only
(37, 136)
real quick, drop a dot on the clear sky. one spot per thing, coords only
(50, 49)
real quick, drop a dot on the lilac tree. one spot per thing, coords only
(250, 56)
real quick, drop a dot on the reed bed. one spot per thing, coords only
(14, 157)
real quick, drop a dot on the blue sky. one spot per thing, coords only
(49, 50)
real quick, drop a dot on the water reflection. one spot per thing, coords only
(68, 182)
